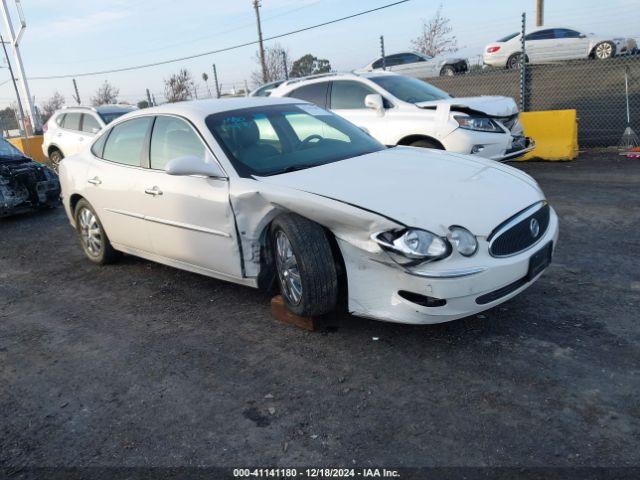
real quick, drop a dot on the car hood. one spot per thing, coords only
(421, 188)
(493, 105)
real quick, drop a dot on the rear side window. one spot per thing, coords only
(126, 142)
(173, 138)
(90, 124)
(71, 121)
(508, 37)
(541, 35)
(348, 95)
(60, 119)
(314, 93)
(98, 147)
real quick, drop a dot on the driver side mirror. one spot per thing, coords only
(192, 165)
(582, 35)
(375, 102)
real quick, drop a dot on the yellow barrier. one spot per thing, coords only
(30, 146)
(555, 133)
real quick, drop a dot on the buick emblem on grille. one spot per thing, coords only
(534, 227)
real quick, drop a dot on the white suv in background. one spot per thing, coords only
(70, 129)
(400, 110)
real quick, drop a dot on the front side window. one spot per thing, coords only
(541, 35)
(393, 60)
(173, 138)
(126, 142)
(348, 95)
(71, 121)
(409, 89)
(306, 136)
(90, 124)
(314, 93)
(566, 33)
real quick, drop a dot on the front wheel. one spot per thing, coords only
(305, 265)
(604, 50)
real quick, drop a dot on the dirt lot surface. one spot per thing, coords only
(141, 364)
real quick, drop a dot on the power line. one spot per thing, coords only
(226, 49)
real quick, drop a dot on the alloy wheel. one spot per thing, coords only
(90, 232)
(288, 271)
(604, 50)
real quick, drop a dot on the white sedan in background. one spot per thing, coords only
(260, 190)
(419, 65)
(551, 44)
(400, 110)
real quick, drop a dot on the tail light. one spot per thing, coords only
(493, 49)
(45, 127)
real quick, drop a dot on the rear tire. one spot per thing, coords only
(305, 266)
(94, 240)
(514, 61)
(424, 143)
(55, 157)
(447, 71)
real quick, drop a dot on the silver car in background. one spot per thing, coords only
(415, 64)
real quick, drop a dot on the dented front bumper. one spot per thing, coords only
(377, 287)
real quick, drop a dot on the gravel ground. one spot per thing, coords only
(138, 364)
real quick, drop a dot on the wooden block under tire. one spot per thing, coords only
(280, 311)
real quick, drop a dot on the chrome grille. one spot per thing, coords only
(521, 231)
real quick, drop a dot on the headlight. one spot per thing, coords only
(481, 124)
(464, 241)
(412, 246)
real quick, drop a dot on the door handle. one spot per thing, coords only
(94, 181)
(153, 191)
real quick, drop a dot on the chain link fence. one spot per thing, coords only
(595, 88)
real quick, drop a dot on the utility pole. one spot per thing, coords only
(149, 98)
(523, 65)
(215, 79)
(256, 7)
(14, 41)
(384, 60)
(15, 87)
(284, 64)
(539, 13)
(76, 97)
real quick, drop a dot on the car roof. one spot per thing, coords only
(201, 108)
(332, 76)
(108, 108)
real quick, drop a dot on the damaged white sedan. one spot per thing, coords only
(257, 191)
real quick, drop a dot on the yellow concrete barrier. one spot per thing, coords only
(555, 133)
(30, 146)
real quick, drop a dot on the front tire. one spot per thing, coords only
(604, 51)
(55, 157)
(304, 265)
(94, 240)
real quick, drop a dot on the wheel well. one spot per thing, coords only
(53, 148)
(73, 201)
(408, 140)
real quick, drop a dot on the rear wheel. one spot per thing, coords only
(447, 71)
(55, 157)
(94, 240)
(305, 265)
(514, 61)
(604, 50)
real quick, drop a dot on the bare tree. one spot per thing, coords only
(107, 93)
(49, 107)
(435, 37)
(179, 86)
(274, 58)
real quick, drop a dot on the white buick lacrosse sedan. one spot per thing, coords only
(260, 190)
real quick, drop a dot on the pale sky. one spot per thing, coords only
(74, 36)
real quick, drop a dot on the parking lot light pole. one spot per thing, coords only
(15, 86)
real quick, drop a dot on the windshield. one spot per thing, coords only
(275, 139)
(507, 38)
(9, 151)
(409, 89)
(108, 117)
